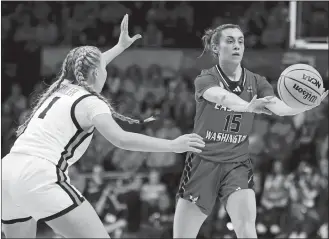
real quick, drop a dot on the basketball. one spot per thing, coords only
(300, 86)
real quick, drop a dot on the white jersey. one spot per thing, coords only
(61, 129)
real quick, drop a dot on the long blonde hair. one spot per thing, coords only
(78, 62)
(212, 36)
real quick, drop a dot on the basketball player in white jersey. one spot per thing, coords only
(35, 184)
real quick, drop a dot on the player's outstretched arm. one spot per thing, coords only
(124, 42)
(280, 108)
(107, 126)
(223, 97)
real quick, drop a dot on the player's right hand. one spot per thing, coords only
(258, 105)
(188, 142)
(125, 40)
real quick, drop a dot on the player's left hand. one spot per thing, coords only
(323, 96)
(125, 40)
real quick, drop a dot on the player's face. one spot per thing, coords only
(231, 46)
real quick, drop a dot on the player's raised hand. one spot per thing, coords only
(125, 40)
(188, 142)
(258, 105)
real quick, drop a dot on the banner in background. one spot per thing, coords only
(265, 62)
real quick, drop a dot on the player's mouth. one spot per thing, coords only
(236, 54)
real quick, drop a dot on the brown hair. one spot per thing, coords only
(78, 63)
(212, 36)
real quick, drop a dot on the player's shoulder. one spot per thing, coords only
(208, 72)
(254, 75)
(206, 75)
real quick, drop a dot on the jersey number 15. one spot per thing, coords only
(232, 123)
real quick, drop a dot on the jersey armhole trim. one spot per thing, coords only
(74, 119)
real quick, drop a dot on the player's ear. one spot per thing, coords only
(215, 48)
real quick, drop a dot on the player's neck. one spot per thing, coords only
(231, 70)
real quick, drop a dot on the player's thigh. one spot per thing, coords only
(19, 228)
(81, 222)
(200, 183)
(188, 219)
(237, 192)
(16, 222)
(241, 206)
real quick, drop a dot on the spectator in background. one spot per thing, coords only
(184, 13)
(151, 192)
(6, 25)
(152, 37)
(16, 101)
(6, 128)
(280, 12)
(41, 10)
(77, 178)
(137, 30)
(95, 185)
(125, 160)
(25, 32)
(46, 32)
(256, 16)
(113, 81)
(133, 79)
(158, 13)
(275, 199)
(169, 130)
(274, 34)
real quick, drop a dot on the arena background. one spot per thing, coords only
(133, 192)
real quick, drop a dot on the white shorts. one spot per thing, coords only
(35, 188)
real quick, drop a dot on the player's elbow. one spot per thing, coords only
(120, 141)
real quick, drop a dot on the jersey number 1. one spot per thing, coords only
(234, 124)
(44, 112)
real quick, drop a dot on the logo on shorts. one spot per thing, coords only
(238, 189)
(249, 89)
(193, 199)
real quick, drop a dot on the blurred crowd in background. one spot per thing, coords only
(134, 192)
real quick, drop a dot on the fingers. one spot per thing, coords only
(264, 100)
(254, 98)
(124, 24)
(269, 98)
(194, 135)
(197, 144)
(266, 111)
(138, 36)
(197, 140)
(324, 95)
(195, 150)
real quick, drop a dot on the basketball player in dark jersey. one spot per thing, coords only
(226, 100)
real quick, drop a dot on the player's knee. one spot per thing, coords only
(244, 228)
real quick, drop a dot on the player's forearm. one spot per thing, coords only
(280, 108)
(233, 102)
(112, 53)
(144, 143)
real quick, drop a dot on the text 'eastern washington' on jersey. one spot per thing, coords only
(225, 131)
